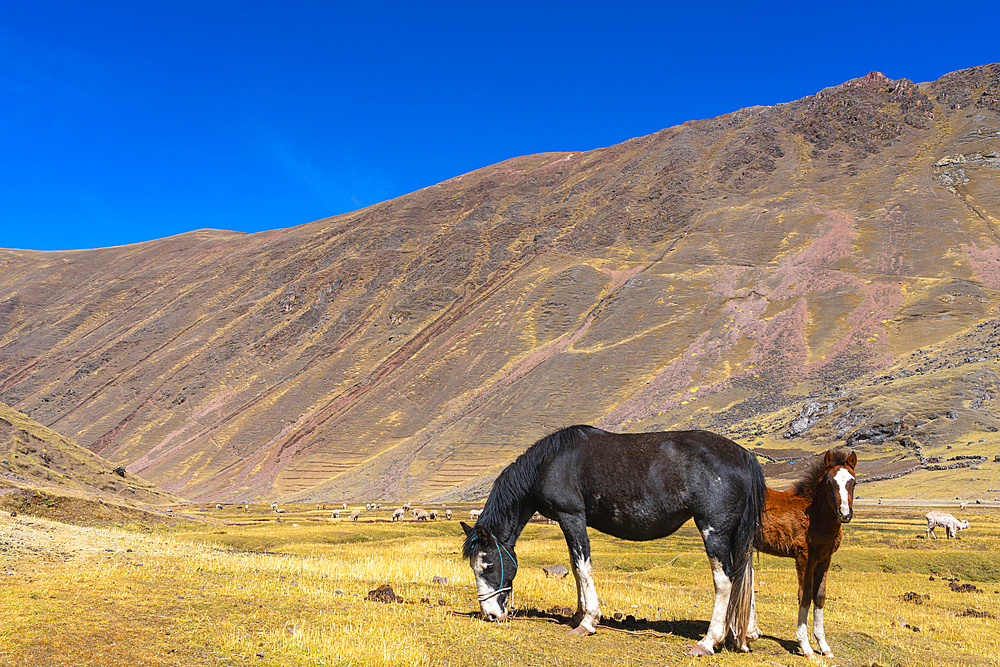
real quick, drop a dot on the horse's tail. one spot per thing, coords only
(747, 536)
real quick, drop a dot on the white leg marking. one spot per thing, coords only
(581, 596)
(818, 631)
(588, 602)
(717, 626)
(753, 632)
(802, 632)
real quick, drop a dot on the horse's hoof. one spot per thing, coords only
(828, 654)
(698, 649)
(581, 631)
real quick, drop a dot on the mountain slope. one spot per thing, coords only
(34, 457)
(723, 273)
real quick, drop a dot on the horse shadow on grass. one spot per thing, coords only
(563, 616)
(683, 629)
(790, 646)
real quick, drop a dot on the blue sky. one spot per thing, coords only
(123, 122)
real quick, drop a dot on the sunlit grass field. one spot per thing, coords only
(245, 589)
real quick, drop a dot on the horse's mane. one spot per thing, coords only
(808, 484)
(515, 481)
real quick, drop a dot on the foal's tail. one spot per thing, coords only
(746, 537)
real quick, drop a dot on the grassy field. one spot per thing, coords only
(245, 589)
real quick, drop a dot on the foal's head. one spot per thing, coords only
(493, 566)
(838, 481)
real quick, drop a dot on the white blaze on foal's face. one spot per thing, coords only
(844, 483)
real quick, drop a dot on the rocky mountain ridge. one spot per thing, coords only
(725, 273)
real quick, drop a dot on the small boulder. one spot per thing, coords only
(964, 588)
(384, 593)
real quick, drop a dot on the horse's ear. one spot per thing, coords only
(484, 536)
(466, 527)
(852, 461)
(828, 459)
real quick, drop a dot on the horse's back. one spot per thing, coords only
(646, 485)
(680, 461)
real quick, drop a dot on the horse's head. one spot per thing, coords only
(840, 480)
(493, 566)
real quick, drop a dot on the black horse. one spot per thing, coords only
(635, 487)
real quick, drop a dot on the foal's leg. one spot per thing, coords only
(804, 569)
(588, 609)
(819, 597)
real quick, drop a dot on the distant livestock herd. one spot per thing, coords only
(935, 518)
(398, 514)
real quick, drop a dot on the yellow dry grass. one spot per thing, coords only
(294, 593)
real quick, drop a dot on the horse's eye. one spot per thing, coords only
(487, 567)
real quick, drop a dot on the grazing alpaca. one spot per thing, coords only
(951, 525)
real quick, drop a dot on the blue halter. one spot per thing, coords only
(500, 552)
